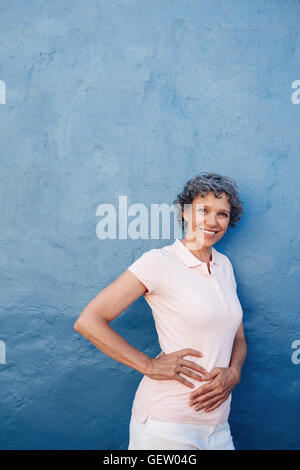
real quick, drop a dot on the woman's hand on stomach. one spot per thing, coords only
(170, 366)
(221, 382)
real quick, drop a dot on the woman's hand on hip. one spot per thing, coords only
(170, 366)
(210, 396)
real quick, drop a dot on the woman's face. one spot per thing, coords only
(207, 213)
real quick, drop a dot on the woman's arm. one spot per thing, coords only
(93, 322)
(223, 379)
(239, 352)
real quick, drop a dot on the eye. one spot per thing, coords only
(204, 209)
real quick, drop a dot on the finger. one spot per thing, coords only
(209, 402)
(193, 365)
(202, 390)
(213, 373)
(190, 352)
(184, 381)
(203, 398)
(207, 410)
(189, 372)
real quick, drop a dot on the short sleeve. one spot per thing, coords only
(147, 269)
(231, 273)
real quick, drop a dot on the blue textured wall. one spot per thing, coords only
(107, 98)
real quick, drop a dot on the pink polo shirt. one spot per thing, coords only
(191, 309)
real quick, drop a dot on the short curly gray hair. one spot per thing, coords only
(205, 183)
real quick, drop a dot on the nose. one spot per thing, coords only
(211, 221)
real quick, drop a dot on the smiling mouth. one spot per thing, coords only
(210, 232)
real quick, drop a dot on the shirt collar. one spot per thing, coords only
(189, 259)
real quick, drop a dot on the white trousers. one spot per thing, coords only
(166, 435)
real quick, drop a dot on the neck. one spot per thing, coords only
(203, 253)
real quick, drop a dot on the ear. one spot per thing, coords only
(186, 213)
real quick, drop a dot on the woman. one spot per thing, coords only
(183, 400)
